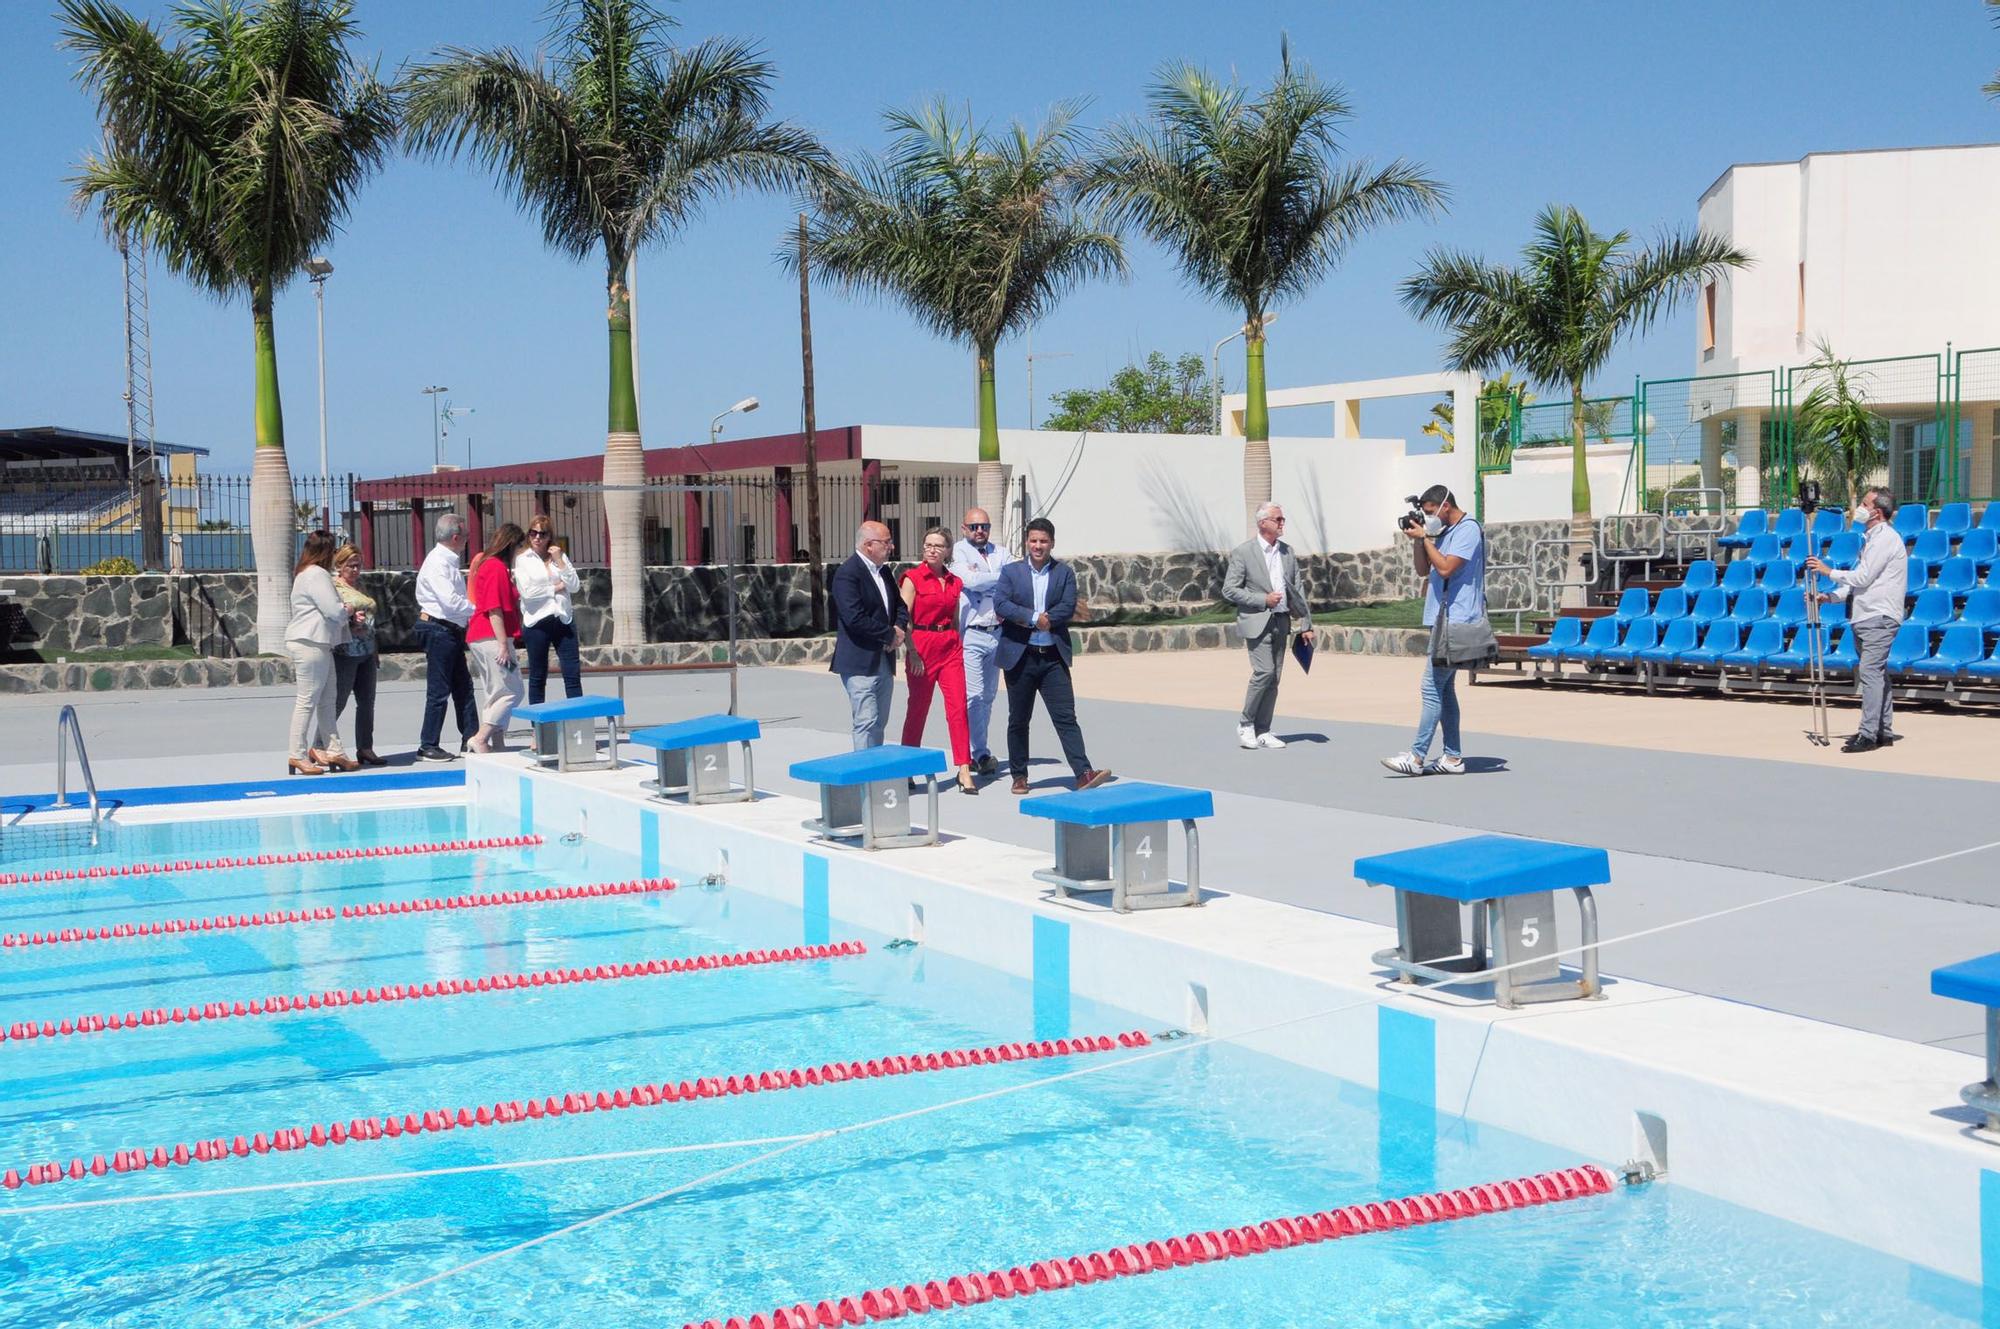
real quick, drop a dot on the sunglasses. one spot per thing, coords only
(539, 535)
(979, 526)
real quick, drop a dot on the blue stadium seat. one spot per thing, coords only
(1679, 636)
(1765, 548)
(1672, 604)
(1740, 575)
(1603, 632)
(1982, 546)
(1709, 606)
(1720, 639)
(1931, 611)
(1753, 523)
(1960, 648)
(1833, 613)
(1989, 520)
(1700, 575)
(1779, 576)
(1987, 670)
(1790, 610)
(1982, 610)
(1828, 522)
(1912, 643)
(1920, 573)
(1642, 633)
(1931, 546)
(1789, 523)
(1844, 550)
(1634, 603)
(1958, 576)
(1751, 606)
(1954, 519)
(1568, 631)
(1797, 657)
(1765, 639)
(1844, 656)
(1911, 518)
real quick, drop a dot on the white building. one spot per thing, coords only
(1879, 254)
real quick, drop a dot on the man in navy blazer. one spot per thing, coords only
(869, 618)
(1036, 598)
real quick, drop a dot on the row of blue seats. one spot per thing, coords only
(1981, 547)
(1961, 653)
(1933, 607)
(1953, 521)
(1959, 576)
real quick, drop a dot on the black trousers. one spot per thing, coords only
(536, 639)
(354, 677)
(1042, 672)
(446, 678)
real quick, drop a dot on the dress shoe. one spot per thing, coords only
(367, 757)
(1020, 784)
(1859, 744)
(987, 765)
(432, 752)
(1090, 779)
(300, 766)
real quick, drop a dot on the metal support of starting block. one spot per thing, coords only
(1129, 858)
(701, 773)
(876, 813)
(571, 745)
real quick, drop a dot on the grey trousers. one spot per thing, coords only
(1267, 665)
(868, 697)
(1872, 639)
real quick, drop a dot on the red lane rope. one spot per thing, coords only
(1195, 1248)
(508, 1112)
(269, 860)
(289, 917)
(448, 987)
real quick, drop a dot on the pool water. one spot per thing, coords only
(1213, 1136)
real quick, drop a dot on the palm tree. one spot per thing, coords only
(1992, 88)
(616, 143)
(234, 154)
(977, 234)
(1836, 435)
(1558, 315)
(1249, 197)
(1498, 400)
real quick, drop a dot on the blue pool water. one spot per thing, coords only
(1209, 1137)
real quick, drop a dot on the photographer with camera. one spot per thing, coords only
(1450, 550)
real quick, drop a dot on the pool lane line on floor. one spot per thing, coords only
(1150, 1257)
(155, 1017)
(552, 1107)
(122, 870)
(176, 927)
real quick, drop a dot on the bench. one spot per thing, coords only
(1978, 981)
(566, 732)
(619, 672)
(865, 794)
(1115, 837)
(1511, 887)
(694, 757)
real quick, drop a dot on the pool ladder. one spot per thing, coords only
(68, 731)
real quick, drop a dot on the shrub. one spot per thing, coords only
(117, 566)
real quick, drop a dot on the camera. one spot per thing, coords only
(1414, 518)
(1808, 496)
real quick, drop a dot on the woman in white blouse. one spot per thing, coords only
(320, 620)
(548, 586)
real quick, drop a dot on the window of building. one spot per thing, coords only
(1707, 319)
(889, 492)
(927, 489)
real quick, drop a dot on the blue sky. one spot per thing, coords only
(1627, 111)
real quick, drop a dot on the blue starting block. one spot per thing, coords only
(566, 732)
(1978, 981)
(694, 757)
(865, 794)
(1511, 886)
(1115, 837)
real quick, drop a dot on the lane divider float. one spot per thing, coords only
(25, 1030)
(1176, 1252)
(380, 909)
(269, 860)
(552, 1107)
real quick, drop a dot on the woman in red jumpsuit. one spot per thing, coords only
(936, 660)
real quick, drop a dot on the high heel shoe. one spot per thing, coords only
(334, 761)
(367, 757)
(966, 784)
(301, 766)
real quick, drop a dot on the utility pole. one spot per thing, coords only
(1032, 357)
(816, 558)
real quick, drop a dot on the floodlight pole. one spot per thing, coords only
(317, 270)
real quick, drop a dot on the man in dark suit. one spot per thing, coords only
(1036, 598)
(869, 618)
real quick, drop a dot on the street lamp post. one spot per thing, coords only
(317, 270)
(437, 430)
(747, 405)
(1215, 363)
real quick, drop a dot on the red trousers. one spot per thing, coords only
(944, 667)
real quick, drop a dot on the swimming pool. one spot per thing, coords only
(1150, 1146)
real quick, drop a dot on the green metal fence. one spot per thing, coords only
(1730, 417)
(1973, 412)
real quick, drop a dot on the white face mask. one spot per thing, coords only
(1433, 525)
(1862, 514)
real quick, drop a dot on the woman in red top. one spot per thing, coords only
(931, 591)
(496, 622)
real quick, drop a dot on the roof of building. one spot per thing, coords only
(1841, 152)
(46, 441)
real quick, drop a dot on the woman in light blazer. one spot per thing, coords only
(548, 586)
(320, 620)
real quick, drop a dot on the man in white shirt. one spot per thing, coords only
(442, 613)
(977, 561)
(1875, 588)
(1262, 581)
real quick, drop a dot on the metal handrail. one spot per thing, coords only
(1554, 586)
(1705, 533)
(69, 730)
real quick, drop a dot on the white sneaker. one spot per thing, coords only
(1246, 737)
(1404, 763)
(1446, 766)
(1270, 741)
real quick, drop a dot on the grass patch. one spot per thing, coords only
(1391, 614)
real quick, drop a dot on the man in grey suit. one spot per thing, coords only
(1263, 583)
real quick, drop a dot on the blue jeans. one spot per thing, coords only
(868, 695)
(1440, 703)
(982, 684)
(446, 679)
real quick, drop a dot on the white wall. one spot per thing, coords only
(1538, 487)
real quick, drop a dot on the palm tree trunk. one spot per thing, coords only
(1579, 500)
(1256, 428)
(624, 465)
(990, 483)
(271, 529)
